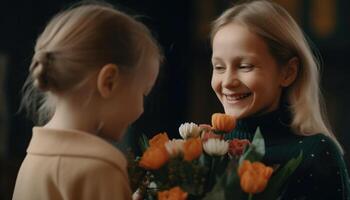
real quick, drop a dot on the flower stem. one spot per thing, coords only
(212, 167)
(250, 197)
(212, 172)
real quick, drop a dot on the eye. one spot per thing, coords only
(246, 67)
(219, 67)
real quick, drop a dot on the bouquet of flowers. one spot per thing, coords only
(203, 165)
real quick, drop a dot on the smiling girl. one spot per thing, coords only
(264, 74)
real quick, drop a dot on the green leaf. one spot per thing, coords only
(278, 180)
(218, 192)
(256, 149)
(204, 159)
(227, 186)
(143, 142)
(233, 189)
(221, 166)
(259, 142)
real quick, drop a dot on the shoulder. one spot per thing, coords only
(328, 165)
(324, 156)
(320, 147)
(92, 179)
(76, 147)
(83, 166)
(322, 144)
(85, 172)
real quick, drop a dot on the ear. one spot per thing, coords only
(290, 72)
(108, 79)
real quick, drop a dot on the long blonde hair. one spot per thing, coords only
(285, 40)
(77, 41)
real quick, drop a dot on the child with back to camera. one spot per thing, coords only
(264, 74)
(93, 65)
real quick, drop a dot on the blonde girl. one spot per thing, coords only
(91, 69)
(264, 74)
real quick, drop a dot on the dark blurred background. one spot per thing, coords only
(183, 92)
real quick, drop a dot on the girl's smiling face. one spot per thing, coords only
(246, 78)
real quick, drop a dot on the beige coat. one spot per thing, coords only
(71, 165)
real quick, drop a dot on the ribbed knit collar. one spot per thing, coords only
(274, 126)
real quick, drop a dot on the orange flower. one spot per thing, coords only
(174, 193)
(237, 146)
(254, 176)
(223, 122)
(154, 158)
(192, 149)
(245, 166)
(159, 140)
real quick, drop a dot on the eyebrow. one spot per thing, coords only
(250, 56)
(215, 59)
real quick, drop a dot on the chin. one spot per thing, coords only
(119, 134)
(114, 133)
(238, 114)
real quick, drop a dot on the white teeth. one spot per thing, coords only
(236, 98)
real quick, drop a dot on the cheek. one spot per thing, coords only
(252, 83)
(267, 92)
(215, 83)
(256, 82)
(138, 105)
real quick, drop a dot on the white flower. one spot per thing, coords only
(152, 185)
(174, 147)
(137, 195)
(215, 147)
(188, 130)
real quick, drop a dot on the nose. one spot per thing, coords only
(231, 80)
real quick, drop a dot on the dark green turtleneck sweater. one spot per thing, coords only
(321, 175)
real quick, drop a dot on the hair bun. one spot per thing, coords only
(39, 69)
